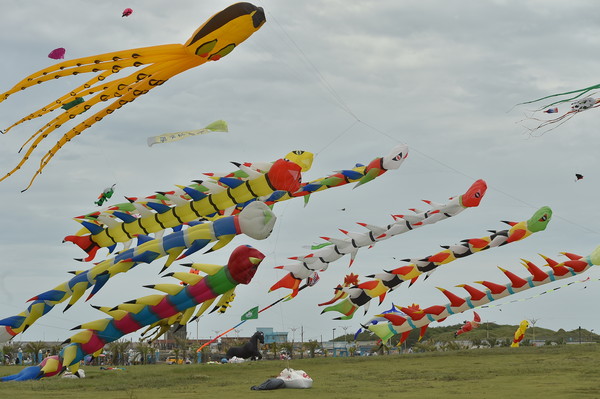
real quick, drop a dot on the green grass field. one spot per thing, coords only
(566, 371)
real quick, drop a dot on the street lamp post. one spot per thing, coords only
(346, 339)
(333, 341)
(293, 339)
(322, 347)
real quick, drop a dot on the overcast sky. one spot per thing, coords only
(346, 81)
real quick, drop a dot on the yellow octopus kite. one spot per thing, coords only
(216, 38)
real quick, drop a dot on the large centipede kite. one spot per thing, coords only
(303, 267)
(255, 221)
(216, 38)
(247, 193)
(360, 295)
(412, 317)
(267, 182)
(131, 316)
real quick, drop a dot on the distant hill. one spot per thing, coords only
(492, 331)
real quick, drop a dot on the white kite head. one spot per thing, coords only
(395, 158)
(5, 336)
(257, 220)
(583, 103)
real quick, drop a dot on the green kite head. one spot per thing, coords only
(540, 219)
(595, 256)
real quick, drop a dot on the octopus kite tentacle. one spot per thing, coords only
(63, 101)
(216, 38)
(361, 294)
(576, 94)
(133, 91)
(415, 317)
(304, 266)
(243, 264)
(558, 121)
(97, 63)
(256, 221)
(580, 99)
(124, 89)
(86, 89)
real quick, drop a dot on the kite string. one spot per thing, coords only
(341, 134)
(473, 178)
(316, 71)
(324, 83)
(495, 305)
(357, 120)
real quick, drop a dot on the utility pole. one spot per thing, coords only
(293, 339)
(302, 344)
(333, 341)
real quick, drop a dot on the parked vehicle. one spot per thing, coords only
(174, 360)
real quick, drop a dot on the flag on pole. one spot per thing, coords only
(250, 314)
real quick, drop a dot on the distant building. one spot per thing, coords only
(177, 330)
(273, 336)
(342, 348)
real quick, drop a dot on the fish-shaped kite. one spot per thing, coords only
(217, 126)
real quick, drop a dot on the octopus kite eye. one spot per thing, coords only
(205, 48)
(222, 53)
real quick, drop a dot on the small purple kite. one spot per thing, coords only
(127, 12)
(57, 53)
